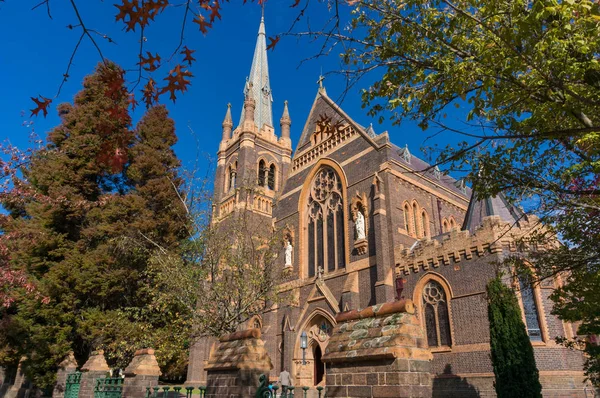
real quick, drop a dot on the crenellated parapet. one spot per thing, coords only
(493, 236)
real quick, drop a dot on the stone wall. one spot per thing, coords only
(378, 352)
(236, 364)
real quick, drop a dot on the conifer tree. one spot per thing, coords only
(511, 351)
(84, 218)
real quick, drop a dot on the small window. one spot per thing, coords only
(425, 224)
(261, 173)
(415, 214)
(407, 218)
(271, 179)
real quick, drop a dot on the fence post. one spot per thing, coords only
(69, 365)
(95, 368)
(141, 374)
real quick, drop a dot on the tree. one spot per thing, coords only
(227, 273)
(511, 351)
(83, 213)
(523, 80)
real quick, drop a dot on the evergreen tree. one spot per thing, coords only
(84, 219)
(512, 353)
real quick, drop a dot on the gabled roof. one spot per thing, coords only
(491, 206)
(325, 106)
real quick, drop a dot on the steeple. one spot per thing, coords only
(259, 77)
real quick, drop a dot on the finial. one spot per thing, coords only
(286, 113)
(320, 81)
(228, 115)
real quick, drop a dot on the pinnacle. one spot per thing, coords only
(228, 119)
(286, 113)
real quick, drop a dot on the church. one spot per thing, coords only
(366, 222)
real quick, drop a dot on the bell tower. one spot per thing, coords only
(253, 160)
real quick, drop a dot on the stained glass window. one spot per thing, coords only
(530, 308)
(437, 317)
(326, 243)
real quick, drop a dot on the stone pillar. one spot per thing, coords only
(95, 368)
(17, 390)
(142, 372)
(378, 352)
(384, 289)
(69, 365)
(236, 364)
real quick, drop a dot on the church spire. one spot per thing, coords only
(259, 77)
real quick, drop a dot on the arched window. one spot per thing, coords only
(415, 214)
(445, 226)
(261, 173)
(452, 223)
(271, 179)
(326, 243)
(425, 224)
(530, 310)
(407, 218)
(436, 315)
(231, 173)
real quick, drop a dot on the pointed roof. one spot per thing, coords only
(492, 206)
(286, 112)
(259, 76)
(325, 106)
(227, 120)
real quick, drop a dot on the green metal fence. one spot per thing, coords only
(109, 387)
(72, 385)
(175, 392)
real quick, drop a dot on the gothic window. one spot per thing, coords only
(425, 224)
(436, 315)
(418, 232)
(326, 237)
(231, 174)
(530, 309)
(271, 178)
(452, 223)
(261, 173)
(407, 218)
(445, 226)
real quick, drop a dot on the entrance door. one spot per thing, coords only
(319, 365)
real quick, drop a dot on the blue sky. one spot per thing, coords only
(35, 51)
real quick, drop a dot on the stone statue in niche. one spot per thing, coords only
(359, 206)
(289, 250)
(360, 225)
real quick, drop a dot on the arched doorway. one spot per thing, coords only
(311, 371)
(319, 370)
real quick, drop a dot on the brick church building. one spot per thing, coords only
(363, 222)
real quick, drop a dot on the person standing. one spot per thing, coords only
(285, 380)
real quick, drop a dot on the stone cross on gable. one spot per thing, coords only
(320, 81)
